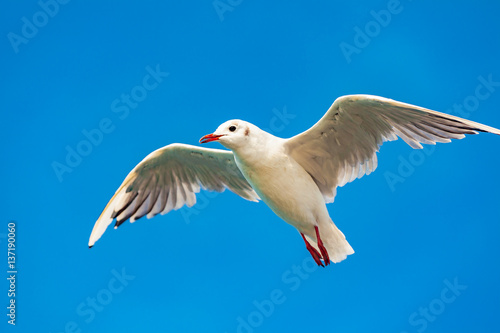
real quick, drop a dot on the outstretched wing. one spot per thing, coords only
(342, 145)
(167, 179)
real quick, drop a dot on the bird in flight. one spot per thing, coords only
(295, 177)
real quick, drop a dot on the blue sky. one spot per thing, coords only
(424, 226)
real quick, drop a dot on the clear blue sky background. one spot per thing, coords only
(217, 267)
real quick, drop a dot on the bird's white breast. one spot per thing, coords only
(283, 185)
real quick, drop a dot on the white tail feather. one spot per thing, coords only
(334, 241)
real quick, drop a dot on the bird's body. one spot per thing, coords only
(289, 190)
(295, 177)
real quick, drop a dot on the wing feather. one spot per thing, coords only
(342, 145)
(168, 179)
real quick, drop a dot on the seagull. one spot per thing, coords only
(295, 177)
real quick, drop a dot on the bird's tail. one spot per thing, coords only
(334, 240)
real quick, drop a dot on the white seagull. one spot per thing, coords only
(295, 177)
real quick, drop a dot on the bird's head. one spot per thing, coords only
(232, 134)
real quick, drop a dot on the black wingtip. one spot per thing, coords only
(90, 246)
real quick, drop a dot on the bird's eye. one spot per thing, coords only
(232, 128)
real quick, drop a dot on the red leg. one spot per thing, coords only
(323, 250)
(315, 254)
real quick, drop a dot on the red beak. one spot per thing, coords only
(209, 138)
